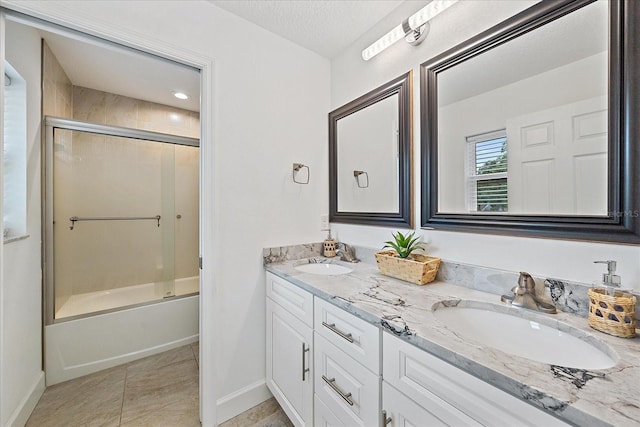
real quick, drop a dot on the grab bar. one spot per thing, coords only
(75, 219)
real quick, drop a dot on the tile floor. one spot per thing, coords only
(157, 391)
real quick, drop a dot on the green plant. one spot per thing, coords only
(404, 245)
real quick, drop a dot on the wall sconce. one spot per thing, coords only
(413, 29)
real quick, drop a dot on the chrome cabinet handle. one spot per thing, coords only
(385, 420)
(332, 328)
(304, 362)
(332, 384)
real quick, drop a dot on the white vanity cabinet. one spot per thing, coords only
(289, 334)
(450, 395)
(327, 367)
(347, 367)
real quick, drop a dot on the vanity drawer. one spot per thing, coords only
(349, 390)
(427, 379)
(404, 412)
(295, 300)
(357, 338)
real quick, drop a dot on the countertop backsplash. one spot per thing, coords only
(568, 296)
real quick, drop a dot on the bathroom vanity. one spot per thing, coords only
(360, 348)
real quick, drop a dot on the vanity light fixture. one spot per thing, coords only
(414, 29)
(181, 95)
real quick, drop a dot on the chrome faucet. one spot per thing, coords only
(525, 296)
(347, 253)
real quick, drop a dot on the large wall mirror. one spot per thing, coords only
(370, 157)
(531, 127)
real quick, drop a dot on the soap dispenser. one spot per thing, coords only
(329, 249)
(612, 310)
(610, 280)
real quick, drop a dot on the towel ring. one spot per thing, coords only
(356, 175)
(296, 169)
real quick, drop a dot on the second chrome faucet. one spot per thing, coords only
(525, 296)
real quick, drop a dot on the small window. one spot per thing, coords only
(14, 154)
(487, 172)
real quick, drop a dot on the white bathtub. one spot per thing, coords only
(92, 302)
(86, 345)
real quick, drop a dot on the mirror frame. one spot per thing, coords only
(622, 224)
(402, 86)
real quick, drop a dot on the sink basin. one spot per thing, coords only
(324, 269)
(533, 336)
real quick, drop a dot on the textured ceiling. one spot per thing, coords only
(326, 27)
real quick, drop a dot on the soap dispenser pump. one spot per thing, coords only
(610, 280)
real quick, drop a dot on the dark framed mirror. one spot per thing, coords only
(370, 141)
(530, 128)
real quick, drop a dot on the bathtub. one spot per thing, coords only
(92, 302)
(91, 343)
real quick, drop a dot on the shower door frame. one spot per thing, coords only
(50, 125)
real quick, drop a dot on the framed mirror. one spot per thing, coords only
(530, 128)
(370, 141)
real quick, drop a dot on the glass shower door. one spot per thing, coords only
(113, 221)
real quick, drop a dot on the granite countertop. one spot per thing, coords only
(608, 397)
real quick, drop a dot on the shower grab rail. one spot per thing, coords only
(75, 219)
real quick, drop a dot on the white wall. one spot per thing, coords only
(352, 77)
(21, 276)
(271, 98)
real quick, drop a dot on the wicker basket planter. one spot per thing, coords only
(613, 315)
(420, 270)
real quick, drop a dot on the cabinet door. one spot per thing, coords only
(289, 362)
(404, 412)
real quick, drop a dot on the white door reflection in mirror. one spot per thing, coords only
(548, 89)
(368, 142)
(558, 160)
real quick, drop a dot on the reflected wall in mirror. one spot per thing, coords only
(525, 127)
(370, 157)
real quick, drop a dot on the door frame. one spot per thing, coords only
(54, 15)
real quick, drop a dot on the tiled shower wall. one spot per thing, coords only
(107, 176)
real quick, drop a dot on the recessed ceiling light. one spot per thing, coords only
(180, 95)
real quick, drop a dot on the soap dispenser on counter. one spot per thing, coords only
(612, 310)
(329, 246)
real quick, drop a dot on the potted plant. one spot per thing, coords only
(403, 263)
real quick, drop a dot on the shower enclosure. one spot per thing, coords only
(121, 218)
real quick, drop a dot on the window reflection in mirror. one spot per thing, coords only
(542, 99)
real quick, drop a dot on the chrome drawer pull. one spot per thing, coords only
(332, 328)
(304, 362)
(332, 384)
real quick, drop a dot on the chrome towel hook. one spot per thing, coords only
(296, 169)
(356, 175)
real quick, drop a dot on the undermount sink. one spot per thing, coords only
(324, 269)
(529, 335)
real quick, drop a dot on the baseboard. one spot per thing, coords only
(27, 404)
(239, 401)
